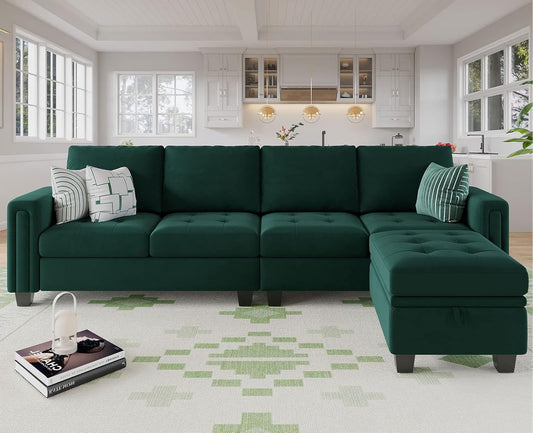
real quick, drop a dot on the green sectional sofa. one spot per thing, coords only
(244, 218)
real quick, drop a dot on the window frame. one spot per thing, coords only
(155, 104)
(504, 89)
(43, 45)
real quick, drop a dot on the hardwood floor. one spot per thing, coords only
(521, 248)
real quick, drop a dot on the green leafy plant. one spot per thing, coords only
(527, 134)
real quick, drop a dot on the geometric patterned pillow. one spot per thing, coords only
(69, 193)
(110, 192)
(443, 192)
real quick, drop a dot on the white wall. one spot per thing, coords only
(433, 94)
(509, 24)
(26, 166)
(338, 129)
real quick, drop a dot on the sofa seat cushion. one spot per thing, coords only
(121, 237)
(206, 234)
(444, 263)
(385, 221)
(313, 234)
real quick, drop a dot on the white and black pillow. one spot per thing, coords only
(110, 193)
(70, 194)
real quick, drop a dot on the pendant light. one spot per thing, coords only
(355, 114)
(267, 113)
(311, 113)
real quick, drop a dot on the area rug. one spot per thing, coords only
(198, 363)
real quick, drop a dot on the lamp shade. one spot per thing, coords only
(355, 114)
(311, 114)
(266, 113)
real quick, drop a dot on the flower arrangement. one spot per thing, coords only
(126, 143)
(453, 146)
(285, 134)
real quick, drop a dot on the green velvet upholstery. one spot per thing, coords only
(488, 214)
(212, 178)
(389, 177)
(449, 329)
(27, 217)
(376, 222)
(309, 178)
(314, 274)
(206, 234)
(149, 274)
(313, 234)
(121, 237)
(144, 162)
(444, 263)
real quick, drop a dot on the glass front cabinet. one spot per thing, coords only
(356, 79)
(261, 73)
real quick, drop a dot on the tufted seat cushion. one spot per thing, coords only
(313, 234)
(385, 221)
(121, 237)
(206, 234)
(444, 263)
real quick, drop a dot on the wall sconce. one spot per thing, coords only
(355, 114)
(311, 114)
(266, 113)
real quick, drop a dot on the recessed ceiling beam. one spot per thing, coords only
(245, 18)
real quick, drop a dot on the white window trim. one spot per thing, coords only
(44, 44)
(505, 89)
(155, 111)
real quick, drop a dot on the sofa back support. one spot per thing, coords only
(144, 162)
(389, 176)
(212, 178)
(309, 178)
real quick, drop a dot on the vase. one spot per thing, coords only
(286, 142)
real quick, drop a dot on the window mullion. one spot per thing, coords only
(41, 86)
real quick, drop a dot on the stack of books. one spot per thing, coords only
(51, 373)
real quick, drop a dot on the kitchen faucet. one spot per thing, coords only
(482, 147)
(323, 138)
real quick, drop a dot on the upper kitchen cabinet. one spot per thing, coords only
(261, 73)
(356, 79)
(394, 99)
(224, 90)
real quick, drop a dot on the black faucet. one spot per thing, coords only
(323, 138)
(482, 140)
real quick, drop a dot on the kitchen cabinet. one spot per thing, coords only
(356, 79)
(509, 178)
(224, 90)
(395, 82)
(261, 73)
(298, 69)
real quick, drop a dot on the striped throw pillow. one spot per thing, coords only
(110, 193)
(443, 192)
(70, 194)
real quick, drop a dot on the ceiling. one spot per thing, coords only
(188, 25)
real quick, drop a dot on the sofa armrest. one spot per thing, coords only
(488, 214)
(27, 217)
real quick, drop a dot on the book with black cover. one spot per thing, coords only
(65, 385)
(50, 368)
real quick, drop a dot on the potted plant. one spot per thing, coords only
(527, 134)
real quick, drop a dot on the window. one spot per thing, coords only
(53, 92)
(493, 93)
(156, 104)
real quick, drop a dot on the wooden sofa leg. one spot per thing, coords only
(504, 363)
(274, 298)
(404, 363)
(24, 299)
(245, 298)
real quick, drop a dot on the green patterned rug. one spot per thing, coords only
(198, 363)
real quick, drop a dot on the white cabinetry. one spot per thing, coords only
(298, 70)
(224, 90)
(509, 178)
(395, 83)
(261, 82)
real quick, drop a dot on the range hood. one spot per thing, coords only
(303, 94)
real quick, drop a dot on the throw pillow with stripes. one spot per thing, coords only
(70, 194)
(443, 192)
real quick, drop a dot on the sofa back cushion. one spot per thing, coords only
(309, 179)
(144, 162)
(389, 177)
(212, 178)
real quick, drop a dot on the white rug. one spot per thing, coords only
(197, 363)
